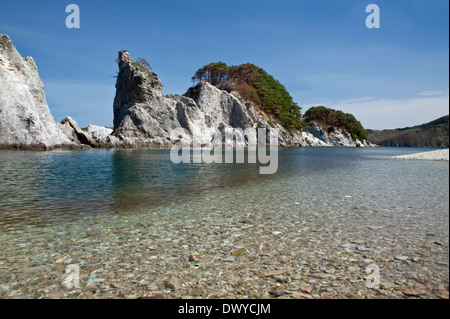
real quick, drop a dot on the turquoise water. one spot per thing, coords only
(49, 187)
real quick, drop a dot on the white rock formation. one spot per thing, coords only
(75, 133)
(103, 137)
(143, 116)
(25, 119)
(337, 137)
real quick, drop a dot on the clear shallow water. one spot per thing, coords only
(43, 188)
(132, 219)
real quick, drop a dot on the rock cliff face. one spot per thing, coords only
(25, 119)
(143, 116)
(337, 137)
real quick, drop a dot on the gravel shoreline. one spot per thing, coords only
(437, 156)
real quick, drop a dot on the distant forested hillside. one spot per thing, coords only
(433, 134)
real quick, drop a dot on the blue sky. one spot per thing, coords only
(321, 50)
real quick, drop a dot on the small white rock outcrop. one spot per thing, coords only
(337, 137)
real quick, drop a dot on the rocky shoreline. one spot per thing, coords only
(436, 156)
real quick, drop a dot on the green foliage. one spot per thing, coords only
(329, 119)
(214, 73)
(254, 84)
(143, 65)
